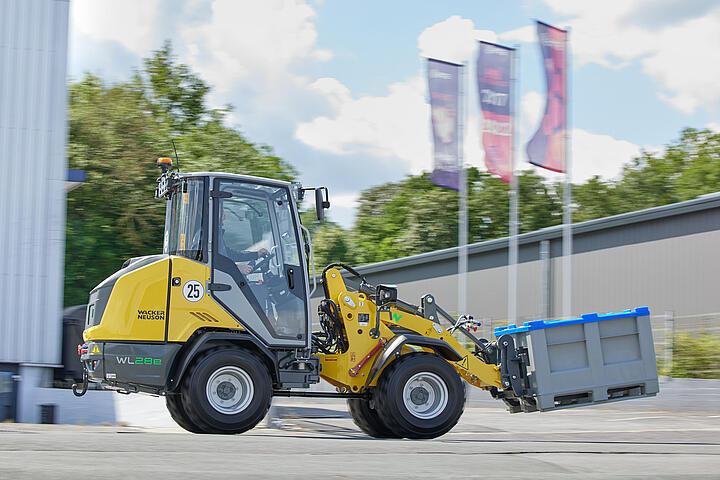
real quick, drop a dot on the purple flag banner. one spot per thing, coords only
(444, 89)
(546, 149)
(494, 67)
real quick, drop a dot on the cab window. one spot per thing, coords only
(184, 220)
(255, 230)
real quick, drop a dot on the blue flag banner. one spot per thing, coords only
(444, 89)
(494, 68)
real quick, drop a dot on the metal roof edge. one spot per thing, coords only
(703, 202)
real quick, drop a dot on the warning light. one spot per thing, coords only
(165, 163)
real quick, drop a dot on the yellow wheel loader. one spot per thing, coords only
(221, 322)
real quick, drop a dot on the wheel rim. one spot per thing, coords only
(425, 395)
(229, 390)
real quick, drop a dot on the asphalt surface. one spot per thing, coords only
(651, 438)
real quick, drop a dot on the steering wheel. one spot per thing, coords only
(262, 264)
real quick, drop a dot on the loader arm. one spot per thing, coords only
(360, 366)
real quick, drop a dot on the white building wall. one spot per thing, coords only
(33, 57)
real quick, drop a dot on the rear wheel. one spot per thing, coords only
(420, 396)
(177, 412)
(368, 420)
(227, 391)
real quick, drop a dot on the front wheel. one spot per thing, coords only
(174, 404)
(227, 391)
(367, 419)
(420, 396)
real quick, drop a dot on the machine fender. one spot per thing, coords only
(394, 346)
(209, 340)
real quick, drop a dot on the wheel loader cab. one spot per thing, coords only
(232, 263)
(258, 266)
(247, 231)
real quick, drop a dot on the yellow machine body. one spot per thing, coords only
(187, 318)
(137, 308)
(350, 369)
(137, 311)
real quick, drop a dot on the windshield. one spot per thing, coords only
(184, 221)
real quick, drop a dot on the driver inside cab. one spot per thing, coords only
(235, 255)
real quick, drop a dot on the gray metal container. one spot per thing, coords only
(587, 360)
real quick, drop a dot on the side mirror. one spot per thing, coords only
(321, 202)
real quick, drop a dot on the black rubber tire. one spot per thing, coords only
(173, 402)
(367, 419)
(391, 407)
(199, 408)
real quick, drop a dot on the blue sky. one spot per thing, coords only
(337, 87)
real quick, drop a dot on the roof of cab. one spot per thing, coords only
(235, 176)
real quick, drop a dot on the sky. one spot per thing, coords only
(338, 88)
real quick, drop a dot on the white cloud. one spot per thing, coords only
(131, 24)
(596, 154)
(524, 34)
(267, 41)
(394, 126)
(531, 110)
(397, 127)
(333, 90)
(592, 153)
(342, 208)
(344, 200)
(452, 40)
(714, 126)
(675, 45)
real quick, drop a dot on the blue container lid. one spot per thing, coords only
(588, 317)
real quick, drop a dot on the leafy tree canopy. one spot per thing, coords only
(117, 131)
(415, 216)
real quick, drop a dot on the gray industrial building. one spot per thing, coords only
(33, 58)
(667, 258)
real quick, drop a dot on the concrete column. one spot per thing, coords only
(31, 378)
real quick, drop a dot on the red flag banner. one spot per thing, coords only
(546, 149)
(494, 69)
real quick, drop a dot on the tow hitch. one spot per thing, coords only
(81, 389)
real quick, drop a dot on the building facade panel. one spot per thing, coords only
(666, 258)
(33, 57)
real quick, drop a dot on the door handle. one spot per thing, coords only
(219, 287)
(291, 278)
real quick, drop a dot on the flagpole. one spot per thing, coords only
(567, 203)
(462, 193)
(514, 223)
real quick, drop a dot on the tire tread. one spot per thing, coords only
(195, 412)
(389, 418)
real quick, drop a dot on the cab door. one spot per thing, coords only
(258, 274)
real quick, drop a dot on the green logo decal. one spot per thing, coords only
(139, 361)
(396, 317)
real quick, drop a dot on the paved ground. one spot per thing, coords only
(654, 438)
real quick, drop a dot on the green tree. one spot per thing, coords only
(116, 133)
(331, 244)
(415, 216)
(689, 167)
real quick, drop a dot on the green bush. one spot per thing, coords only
(694, 356)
